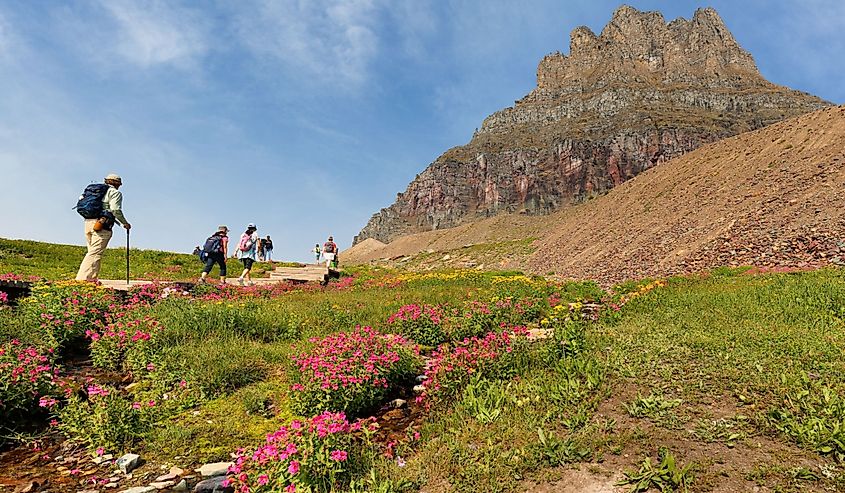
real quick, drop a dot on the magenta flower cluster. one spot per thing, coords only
(451, 367)
(27, 377)
(309, 455)
(350, 371)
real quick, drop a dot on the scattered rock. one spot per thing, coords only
(140, 489)
(167, 477)
(398, 403)
(214, 469)
(213, 485)
(419, 389)
(181, 486)
(128, 462)
(102, 458)
(160, 485)
(27, 487)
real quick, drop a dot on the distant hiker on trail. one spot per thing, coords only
(100, 204)
(248, 251)
(261, 251)
(267, 244)
(214, 251)
(330, 253)
(317, 253)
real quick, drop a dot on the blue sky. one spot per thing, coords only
(303, 116)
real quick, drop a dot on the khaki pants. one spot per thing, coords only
(97, 243)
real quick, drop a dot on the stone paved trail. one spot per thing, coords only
(307, 273)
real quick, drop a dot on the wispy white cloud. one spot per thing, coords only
(157, 32)
(333, 41)
(9, 42)
(143, 34)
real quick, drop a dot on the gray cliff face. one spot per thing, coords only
(640, 93)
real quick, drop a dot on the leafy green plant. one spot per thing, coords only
(652, 406)
(667, 475)
(813, 416)
(485, 399)
(554, 451)
(725, 430)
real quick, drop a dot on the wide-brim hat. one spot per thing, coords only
(113, 177)
(251, 226)
(223, 228)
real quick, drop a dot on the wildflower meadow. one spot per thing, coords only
(471, 381)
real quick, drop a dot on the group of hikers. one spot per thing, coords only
(328, 252)
(101, 205)
(216, 249)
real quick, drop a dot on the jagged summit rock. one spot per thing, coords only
(620, 102)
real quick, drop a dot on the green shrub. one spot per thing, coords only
(105, 418)
(26, 383)
(474, 320)
(65, 310)
(187, 320)
(568, 333)
(213, 367)
(420, 323)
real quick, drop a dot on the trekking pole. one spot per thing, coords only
(127, 257)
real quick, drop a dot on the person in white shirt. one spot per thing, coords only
(98, 238)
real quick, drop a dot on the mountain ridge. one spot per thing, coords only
(640, 93)
(770, 198)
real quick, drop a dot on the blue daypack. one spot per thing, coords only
(90, 204)
(214, 244)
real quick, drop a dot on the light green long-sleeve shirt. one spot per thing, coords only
(113, 201)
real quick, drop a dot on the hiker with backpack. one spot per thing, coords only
(214, 251)
(317, 253)
(267, 244)
(248, 252)
(330, 253)
(101, 204)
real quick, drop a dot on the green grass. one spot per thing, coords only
(55, 262)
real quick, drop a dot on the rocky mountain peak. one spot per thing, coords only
(641, 92)
(640, 47)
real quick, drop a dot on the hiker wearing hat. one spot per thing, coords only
(317, 253)
(330, 252)
(101, 205)
(214, 251)
(248, 252)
